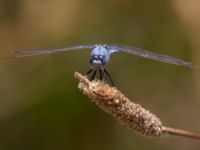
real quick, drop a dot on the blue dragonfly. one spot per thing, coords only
(100, 56)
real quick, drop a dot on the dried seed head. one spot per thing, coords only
(131, 115)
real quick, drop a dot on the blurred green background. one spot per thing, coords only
(41, 107)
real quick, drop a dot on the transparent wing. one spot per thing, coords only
(46, 51)
(151, 55)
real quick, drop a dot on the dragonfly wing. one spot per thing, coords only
(46, 51)
(154, 56)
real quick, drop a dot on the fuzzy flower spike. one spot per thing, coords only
(131, 115)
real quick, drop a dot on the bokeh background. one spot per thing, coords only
(40, 105)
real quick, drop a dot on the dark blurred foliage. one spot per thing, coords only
(40, 105)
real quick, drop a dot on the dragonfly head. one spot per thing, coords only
(97, 61)
(99, 56)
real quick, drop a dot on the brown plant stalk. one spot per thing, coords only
(131, 115)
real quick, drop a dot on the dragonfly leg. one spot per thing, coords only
(94, 74)
(103, 75)
(88, 73)
(100, 74)
(107, 75)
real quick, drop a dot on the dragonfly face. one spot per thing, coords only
(99, 56)
(97, 61)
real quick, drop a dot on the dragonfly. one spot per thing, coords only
(100, 56)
